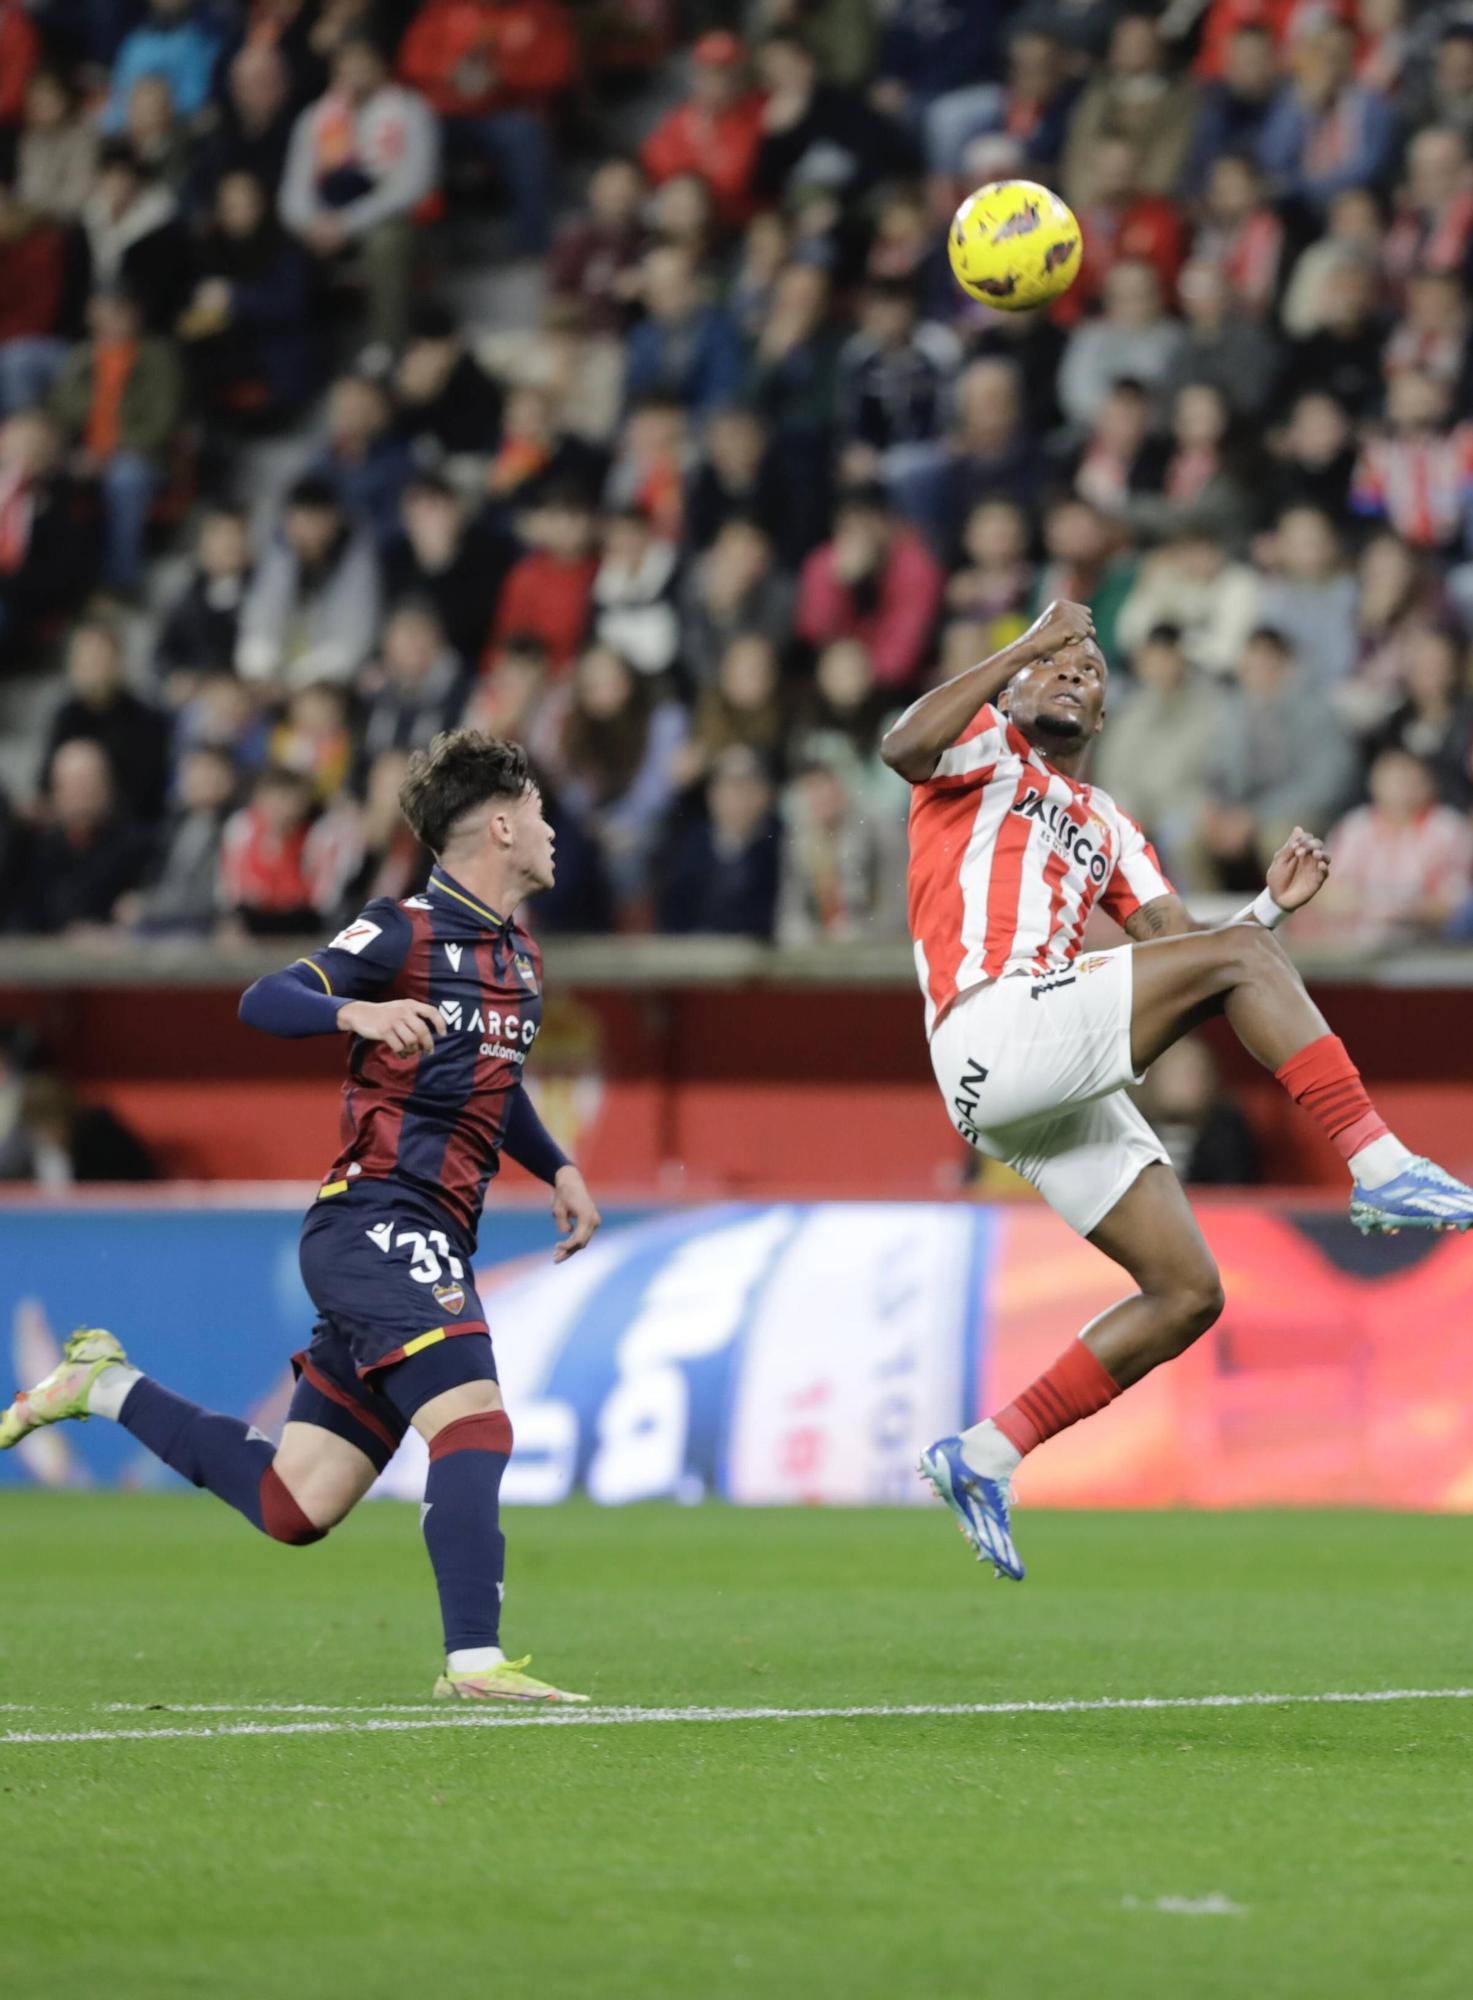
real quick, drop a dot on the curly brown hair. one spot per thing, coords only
(462, 769)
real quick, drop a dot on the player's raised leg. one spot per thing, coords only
(1242, 971)
(293, 1494)
(1153, 1235)
(470, 1438)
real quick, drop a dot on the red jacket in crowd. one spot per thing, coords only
(720, 146)
(32, 278)
(896, 620)
(20, 53)
(469, 57)
(550, 595)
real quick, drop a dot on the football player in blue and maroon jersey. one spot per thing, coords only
(442, 996)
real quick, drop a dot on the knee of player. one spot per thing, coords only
(1258, 950)
(1198, 1300)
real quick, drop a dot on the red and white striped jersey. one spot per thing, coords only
(1008, 856)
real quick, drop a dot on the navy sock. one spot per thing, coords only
(462, 1526)
(230, 1458)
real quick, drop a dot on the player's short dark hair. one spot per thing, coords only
(462, 769)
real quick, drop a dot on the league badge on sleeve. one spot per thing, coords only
(357, 937)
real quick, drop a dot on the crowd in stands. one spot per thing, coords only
(760, 474)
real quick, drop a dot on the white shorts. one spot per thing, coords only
(1033, 1071)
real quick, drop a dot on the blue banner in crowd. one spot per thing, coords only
(767, 1353)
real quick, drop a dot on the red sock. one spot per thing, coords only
(1324, 1080)
(1076, 1386)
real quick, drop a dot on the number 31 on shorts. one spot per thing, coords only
(431, 1257)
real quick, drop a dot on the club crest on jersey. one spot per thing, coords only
(525, 971)
(451, 1297)
(1065, 835)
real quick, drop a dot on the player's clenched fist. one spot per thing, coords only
(1056, 625)
(402, 1025)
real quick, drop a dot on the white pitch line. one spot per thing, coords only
(553, 1716)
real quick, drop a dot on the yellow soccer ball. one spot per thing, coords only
(1014, 245)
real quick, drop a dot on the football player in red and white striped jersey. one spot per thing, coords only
(1033, 1043)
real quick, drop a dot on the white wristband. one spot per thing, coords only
(1264, 910)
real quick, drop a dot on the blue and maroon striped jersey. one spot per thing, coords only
(435, 1122)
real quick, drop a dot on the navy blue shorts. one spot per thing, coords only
(399, 1319)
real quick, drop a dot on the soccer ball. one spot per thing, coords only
(1014, 245)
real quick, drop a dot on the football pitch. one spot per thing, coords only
(222, 1775)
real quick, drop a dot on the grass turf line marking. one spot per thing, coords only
(553, 1716)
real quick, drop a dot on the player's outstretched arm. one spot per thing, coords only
(915, 743)
(292, 1003)
(1296, 874)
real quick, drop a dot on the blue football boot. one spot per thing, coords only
(982, 1506)
(1422, 1196)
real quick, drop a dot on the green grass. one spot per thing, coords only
(986, 1856)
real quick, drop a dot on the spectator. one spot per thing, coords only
(118, 400)
(1208, 1140)
(793, 379)
(362, 459)
(448, 406)
(419, 687)
(1343, 357)
(1242, 235)
(493, 70)
(743, 704)
(456, 563)
(513, 697)
(71, 1142)
(1314, 456)
(158, 137)
(134, 237)
(247, 325)
(634, 593)
(1205, 482)
(178, 897)
(596, 259)
(1156, 754)
(995, 587)
(987, 454)
(1281, 761)
(32, 281)
(1325, 131)
(721, 870)
(1433, 229)
(1446, 97)
(1432, 336)
(1401, 865)
(1233, 107)
(535, 459)
(361, 161)
(875, 581)
(1088, 564)
(56, 154)
(617, 768)
(836, 869)
(1134, 338)
(1417, 471)
(176, 44)
(1399, 593)
(845, 711)
(815, 133)
(1356, 236)
(47, 557)
(282, 871)
(202, 627)
(734, 588)
(686, 348)
(716, 132)
(312, 610)
(1121, 224)
(1133, 97)
(549, 592)
(1032, 107)
(925, 49)
(85, 852)
(100, 708)
(894, 372)
(313, 740)
(1122, 459)
(1232, 353)
(1213, 601)
(253, 125)
(1310, 594)
(393, 862)
(1434, 720)
(653, 463)
(738, 474)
